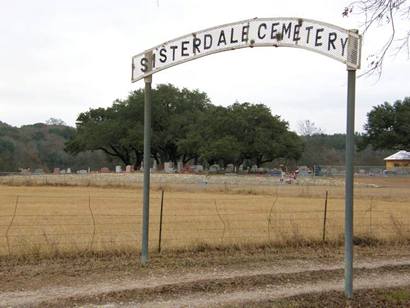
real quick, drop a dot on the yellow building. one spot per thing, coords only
(401, 159)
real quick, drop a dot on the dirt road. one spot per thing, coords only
(219, 282)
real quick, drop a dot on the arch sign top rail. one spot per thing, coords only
(330, 40)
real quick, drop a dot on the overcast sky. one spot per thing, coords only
(60, 58)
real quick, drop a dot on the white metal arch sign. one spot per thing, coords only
(330, 40)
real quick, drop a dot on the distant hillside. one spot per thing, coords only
(41, 146)
(322, 149)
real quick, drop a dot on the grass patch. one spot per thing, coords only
(397, 296)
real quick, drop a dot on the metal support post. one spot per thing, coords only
(351, 92)
(147, 165)
(160, 222)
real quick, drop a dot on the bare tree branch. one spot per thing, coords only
(381, 13)
(308, 128)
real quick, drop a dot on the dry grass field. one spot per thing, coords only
(49, 219)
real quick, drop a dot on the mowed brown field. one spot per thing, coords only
(43, 219)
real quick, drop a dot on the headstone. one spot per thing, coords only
(197, 168)
(180, 166)
(304, 171)
(275, 172)
(62, 171)
(229, 168)
(168, 167)
(187, 169)
(129, 168)
(118, 169)
(214, 168)
(105, 170)
(56, 171)
(82, 171)
(155, 166)
(68, 170)
(25, 171)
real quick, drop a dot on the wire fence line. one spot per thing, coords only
(91, 222)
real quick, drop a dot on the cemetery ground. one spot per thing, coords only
(223, 244)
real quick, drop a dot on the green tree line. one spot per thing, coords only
(186, 127)
(41, 146)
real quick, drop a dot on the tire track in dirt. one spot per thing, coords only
(206, 287)
(273, 292)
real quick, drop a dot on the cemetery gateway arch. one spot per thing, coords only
(329, 40)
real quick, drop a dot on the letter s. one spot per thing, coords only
(144, 65)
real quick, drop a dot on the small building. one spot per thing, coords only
(401, 159)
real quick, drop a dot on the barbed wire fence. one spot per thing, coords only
(91, 222)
